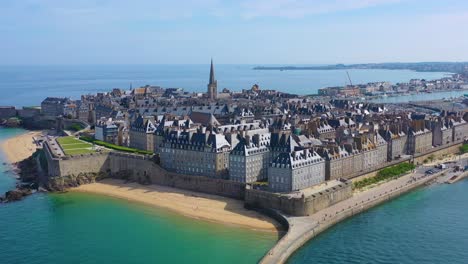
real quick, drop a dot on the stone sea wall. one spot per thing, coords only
(295, 239)
(437, 152)
(131, 167)
(146, 171)
(298, 206)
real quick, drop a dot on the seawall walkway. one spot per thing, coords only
(302, 229)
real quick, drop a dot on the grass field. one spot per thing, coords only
(74, 146)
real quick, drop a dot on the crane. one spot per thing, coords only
(349, 78)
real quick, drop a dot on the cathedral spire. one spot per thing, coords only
(212, 77)
(212, 85)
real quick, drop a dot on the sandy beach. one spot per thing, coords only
(20, 147)
(197, 205)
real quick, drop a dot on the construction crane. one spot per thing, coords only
(349, 78)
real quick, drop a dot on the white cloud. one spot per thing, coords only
(302, 8)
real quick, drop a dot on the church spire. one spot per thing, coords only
(212, 77)
(212, 85)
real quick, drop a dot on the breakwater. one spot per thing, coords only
(302, 229)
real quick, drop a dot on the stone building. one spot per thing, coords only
(419, 141)
(203, 153)
(341, 161)
(249, 160)
(460, 129)
(53, 106)
(441, 133)
(141, 134)
(374, 150)
(295, 171)
(321, 130)
(107, 130)
(397, 143)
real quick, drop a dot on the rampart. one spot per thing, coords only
(302, 229)
(299, 206)
(135, 167)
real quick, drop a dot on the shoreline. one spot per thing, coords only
(19, 147)
(195, 205)
(304, 229)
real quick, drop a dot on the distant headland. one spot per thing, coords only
(453, 67)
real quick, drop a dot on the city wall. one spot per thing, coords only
(134, 167)
(298, 206)
(145, 170)
(437, 152)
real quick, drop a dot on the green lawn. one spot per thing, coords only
(74, 146)
(68, 140)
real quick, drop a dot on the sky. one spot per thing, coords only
(256, 32)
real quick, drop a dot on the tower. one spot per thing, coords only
(212, 85)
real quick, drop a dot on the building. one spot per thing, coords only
(397, 143)
(249, 160)
(212, 93)
(53, 106)
(295, 171)
(460, 129)
(107, 130)
(7, 112)
(141, 134)
(70, 110)
(204, 153)
(419, 141)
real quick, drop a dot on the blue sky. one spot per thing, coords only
(233, 32)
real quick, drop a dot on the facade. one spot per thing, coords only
(141, 134)
(249, 160)
(460, 130)
(295, 171)
(203, 153)
(53, 106)
(107, 131)
(397, 142)
(419, 141)
(70, 110)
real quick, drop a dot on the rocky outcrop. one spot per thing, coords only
(60, 184)
(16, 195)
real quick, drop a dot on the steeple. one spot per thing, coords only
(212, 77)
(212, 92)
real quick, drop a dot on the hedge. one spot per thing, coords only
(464, 148)
(392, 172)
(115, 147)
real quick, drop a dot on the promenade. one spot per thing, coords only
(302, 229)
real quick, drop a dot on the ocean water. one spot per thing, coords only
(29, 85)
(428, 225)
(86, 228)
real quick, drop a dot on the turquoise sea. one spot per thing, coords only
(85, 228)
(428, 225)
